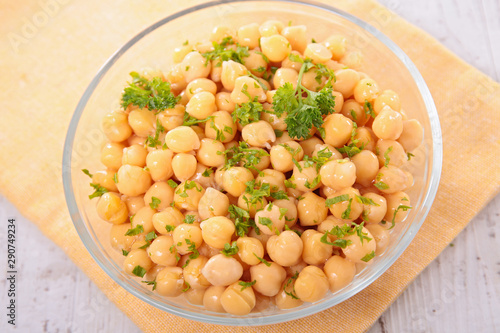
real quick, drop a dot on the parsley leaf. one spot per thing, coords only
(337, 199)
(99, 191)
(155, 202)
(139, 271)
(149, 283)
(222, 53)
(139, 229)
(242, 222)
(369, 256)
(230, 249)
(247, 113)
(387, 159)
(265, 262)
(366, 201)
(245, 285)
(85, 171)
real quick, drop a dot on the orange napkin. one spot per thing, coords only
(50, 52)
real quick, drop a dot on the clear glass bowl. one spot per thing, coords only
(384, 61)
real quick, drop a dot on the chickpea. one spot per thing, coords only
(354, 111)
(161, 191)
(231, 70)
(390, 152)
(366, 90)
(285, 249)
(345, 81)
(212, 298)
(273, 177)
(201, 105)
(291, 214)
(234, 180)
(389, 98)
(216, 72)
(159, 163)
(165, 221)
(285, 75)
(318, 53)
(338, 130)
(205, 176)
(195, 296)
(340, 272)
(159, 251)
(133, 180)
(306, 178)
(255, 63)
(118, 239)
(176, 78)
(112, 154)
(374, 213)
(210, 153)
(315, 252)
(142, 122)
(388, 124)
(136, 258)
(199, 85)
(136, 140)
(310, 144)
(412, 135)
(268, 279)
(188, 194)
(170, 282)
(312, 81)
(135, 155)
(192, 273)
(105, 179)
(184, 166)
(217, 231)
(223, 102)
(296, 35)
(246, 89)
(337, 46)
(341, 209)
(194, 66)
(182, 139)
(248, 249)
(311, 209)
(213, 203)
(311, 284)
(285, 137)
(133, 203)
(172, 118)
(270, 220)
(357, 250)
(391, 179)
(222, 271)
(352, 59)
(288, 63)
(221, 127)
(282, 156)
(144, 218)
(181, 51)
(248, 35)
(264, 161)
(365, 138)
(328, 224)
(283, 299)
(397, 204)
(275, 47)
(238, 301)
(258, 134)
(186, 236)
(381, 236)
(271, 27)
(338, 174)
(116, 127)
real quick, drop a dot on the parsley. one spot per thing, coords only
(337, 199)
(265, 262)
(369, 109)
(283, 212)
(242, 222)
(247, 113)
(387, 159)
(155, 202)
(139, 229)
(314, 183)
(279, 195)
(303, 113)
(171, 183)
(266, 221)
(155, 141)
(365, 200)
(222, 53)
(190, 219)
(362, 235)
(350, 149)
(149, 283)
(155, 94)
(150, 236)
(230, 249)
(207, 172)
(346, 213)
(266, 59)
(278, 133)
(190, 121)
(169, 227)
(188, 286)
(410, 155)
(125, 253)
(245, 285)
(173, 249)
(257, 192)
(287, 228)
(404, 208)
(139, 271)
(244, 155)
(85, 171)
(219, 135)
(369, 256)
(98, 191)
(381, 185)
(192, 248)
(289, 183)
(115, 177)
(292, 293)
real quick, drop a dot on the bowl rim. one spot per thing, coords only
(436, 166)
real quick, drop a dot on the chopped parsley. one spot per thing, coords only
(365, 200)
(222, 53)
(154, 141)
(243, 154)
(172, 183)
(155, 202)
(409, 155)
(207, 172)
(190, 121)
(242, 220)
(190, 219)
(387, 159)
(369, 256)
(245, 285)
(98, 191)
(262, 260)
(337, 199)
(125, 253)
(230, 249)
(139, 271)
(150, 283)
(247, 113)
(347, 213)
(292, 293)
(139, 229)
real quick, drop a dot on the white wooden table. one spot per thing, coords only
(458, 292)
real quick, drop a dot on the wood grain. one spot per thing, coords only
(458, 292)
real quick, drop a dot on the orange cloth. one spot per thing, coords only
(46, 68)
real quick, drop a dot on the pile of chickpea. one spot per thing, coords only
(281, 264)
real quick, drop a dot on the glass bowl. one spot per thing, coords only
(385, 62)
